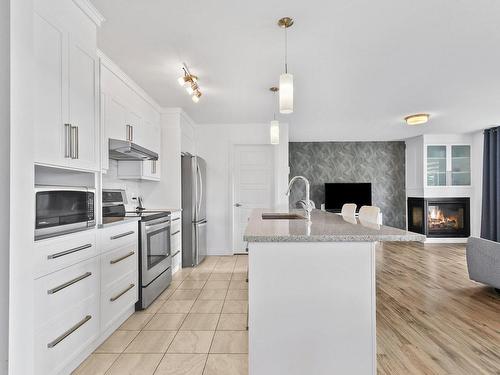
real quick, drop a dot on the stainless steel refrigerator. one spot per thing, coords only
(194, 218)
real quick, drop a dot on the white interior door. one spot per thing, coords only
(253, 186)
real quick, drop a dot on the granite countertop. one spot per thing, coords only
(324, 227)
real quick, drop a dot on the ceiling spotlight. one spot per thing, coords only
(191, 89)
(418, 119)
(189, 82)
(196, 96)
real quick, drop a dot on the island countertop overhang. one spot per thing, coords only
(324, 227)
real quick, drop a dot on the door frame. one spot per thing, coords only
(232, 158)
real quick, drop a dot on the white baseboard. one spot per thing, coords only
(446, 240)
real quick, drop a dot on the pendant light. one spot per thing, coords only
(286, 79)
(274, 129)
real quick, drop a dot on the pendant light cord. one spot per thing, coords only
(286, 51)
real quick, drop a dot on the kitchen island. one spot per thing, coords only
(312, 304)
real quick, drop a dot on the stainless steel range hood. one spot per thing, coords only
(126, 150)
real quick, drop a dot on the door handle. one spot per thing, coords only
(238, 205)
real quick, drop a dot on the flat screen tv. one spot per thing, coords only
(336, 194)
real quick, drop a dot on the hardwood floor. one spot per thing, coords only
(431, 319)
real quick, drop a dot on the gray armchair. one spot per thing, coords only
(483, 261)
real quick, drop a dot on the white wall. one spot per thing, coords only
(22, 205)
(4, 177)
(214, 143)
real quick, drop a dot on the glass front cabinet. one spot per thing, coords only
(448, 165)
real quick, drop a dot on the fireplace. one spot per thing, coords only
(439, 217)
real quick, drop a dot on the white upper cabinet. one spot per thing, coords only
(449, 165)
(128, 114)
(50, 94)
(83, 106)
(66, 128)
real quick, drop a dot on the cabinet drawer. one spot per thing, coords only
(118, 236)
(175, 242)
(176, 262)
(61, 340)
(61, 290)
(117, 298)
(176, 222)
(116, 263)
(56, 253)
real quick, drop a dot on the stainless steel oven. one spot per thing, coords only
(155, 258)
(61, 209)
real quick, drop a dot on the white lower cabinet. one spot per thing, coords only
(117, 298)
(59, 341)
(80, 299)
(61, 290)
(176, 240)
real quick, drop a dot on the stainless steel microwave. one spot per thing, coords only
(62, 209)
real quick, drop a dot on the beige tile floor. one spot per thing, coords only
(196, 327)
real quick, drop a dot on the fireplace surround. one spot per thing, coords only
(439, 217)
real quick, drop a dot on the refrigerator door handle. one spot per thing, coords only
(200, 198)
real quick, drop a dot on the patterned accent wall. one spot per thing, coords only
(381, 163)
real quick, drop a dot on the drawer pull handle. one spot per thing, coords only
(68, 283)
(177, 218)
(70, 251)
(173, 234)
(113, 299)
(117, 260)
(69, 332)
(122, 235)
(174, 254)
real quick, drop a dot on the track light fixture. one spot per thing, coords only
(190, 83)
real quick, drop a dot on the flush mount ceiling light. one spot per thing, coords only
(274, 129)
(418, 119)
(190, 83)
(286, 79)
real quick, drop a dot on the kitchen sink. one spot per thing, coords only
(282, 216)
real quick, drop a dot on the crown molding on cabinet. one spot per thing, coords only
(91, 11)
(111, 65)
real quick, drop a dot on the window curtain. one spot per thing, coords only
(490, 221)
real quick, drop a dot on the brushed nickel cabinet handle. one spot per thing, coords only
(113, 299)
(70, 251)
(77, 143)
(173, 234)
(117, 260)
(74, 142)
(128, 131)
(177, 218)
(122, 235)
(69, 332)
(67, 140)
(69, 283)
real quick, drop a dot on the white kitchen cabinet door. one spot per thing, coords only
(50, 95)
(137, 134)
(151, 168)
(66, 128)
(83, 106)
(116, 115)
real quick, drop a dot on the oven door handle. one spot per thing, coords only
(164, 224)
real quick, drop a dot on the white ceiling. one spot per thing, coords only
(359, 66)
